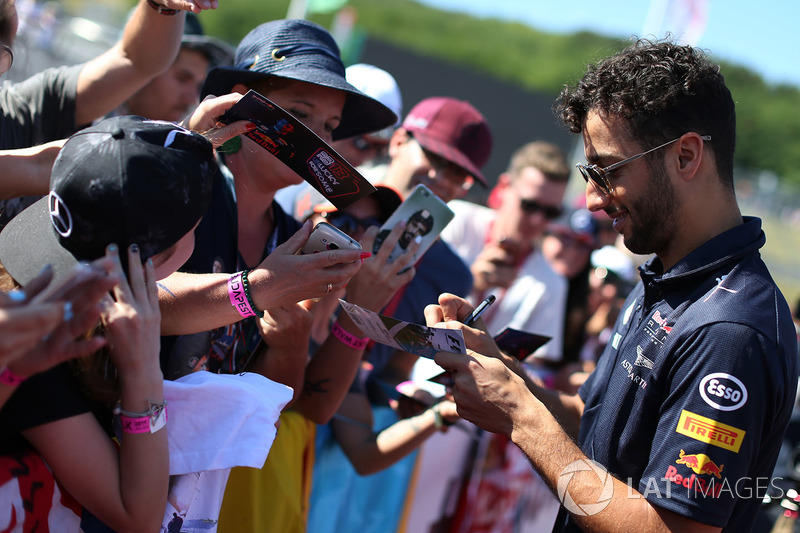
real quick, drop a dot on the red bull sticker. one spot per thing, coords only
(706, 478)
(700, 463)
(710, 431)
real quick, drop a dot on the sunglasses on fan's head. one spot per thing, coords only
(598, 176)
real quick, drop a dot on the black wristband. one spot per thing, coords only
(161, 9)
(246, 287)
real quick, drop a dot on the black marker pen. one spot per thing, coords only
(476, 314)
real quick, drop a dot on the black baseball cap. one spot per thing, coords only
(126, 180)
(304, 51)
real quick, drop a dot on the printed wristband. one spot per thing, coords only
(162, 10)
(147, 422)
(246, 285)
(238, 296)
(9, 378)
(348, 339)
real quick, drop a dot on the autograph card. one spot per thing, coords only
(288, 139)
(412, 338)
(516, 343)
(425, 214)
(519, 344)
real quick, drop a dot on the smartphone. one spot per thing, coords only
(425, 214)
(327, 237)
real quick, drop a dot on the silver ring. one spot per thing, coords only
(330, 288)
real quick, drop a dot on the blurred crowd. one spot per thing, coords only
(171, 361)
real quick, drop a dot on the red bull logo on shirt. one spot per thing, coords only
(701, 465)
(657, 328)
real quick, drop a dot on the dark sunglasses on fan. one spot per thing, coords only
(349, 223)
(530, 207)
(362, 144)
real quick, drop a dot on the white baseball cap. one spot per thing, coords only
(380, 85)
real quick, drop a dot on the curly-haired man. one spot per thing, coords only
(681, 423)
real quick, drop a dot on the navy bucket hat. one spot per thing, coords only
(303, 51)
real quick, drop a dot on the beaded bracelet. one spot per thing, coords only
(9, 378)
(162, 10)
(149, 421)
(348, 339)
(246, 284)
(237, 293)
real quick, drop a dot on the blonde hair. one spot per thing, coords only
(546, 157)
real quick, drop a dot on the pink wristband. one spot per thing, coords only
(7, 377)
(348, 339)
(238, 296)
(144, 424)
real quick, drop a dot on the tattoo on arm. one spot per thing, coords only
(312, 387)
(165, 289)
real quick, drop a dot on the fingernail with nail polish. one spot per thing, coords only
(68, 311)
(17, 296)
(364, 255)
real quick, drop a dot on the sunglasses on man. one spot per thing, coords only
(598, 176)
(362, 144)
(349, 223)
(532, 207)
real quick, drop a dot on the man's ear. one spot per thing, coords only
(399, 138)
(691, 151)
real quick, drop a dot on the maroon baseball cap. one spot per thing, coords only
(454, 130)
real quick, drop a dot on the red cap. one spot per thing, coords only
(454, 130)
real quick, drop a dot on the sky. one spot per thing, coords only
(761, 35)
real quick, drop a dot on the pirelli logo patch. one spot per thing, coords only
(710, 431)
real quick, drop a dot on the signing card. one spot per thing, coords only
(406, 336)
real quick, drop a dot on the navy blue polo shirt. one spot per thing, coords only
(216, 250)
(692, 396)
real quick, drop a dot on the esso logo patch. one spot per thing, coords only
(723, 391)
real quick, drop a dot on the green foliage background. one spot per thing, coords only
(768, 129)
